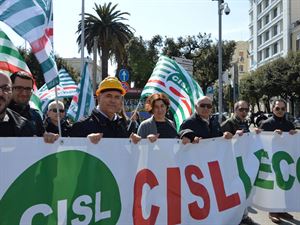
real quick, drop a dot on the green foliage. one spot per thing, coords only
(110, 33)
(142, 56)
(280, 77)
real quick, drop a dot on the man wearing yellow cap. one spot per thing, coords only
(104, 121)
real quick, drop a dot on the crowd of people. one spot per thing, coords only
(108, 119)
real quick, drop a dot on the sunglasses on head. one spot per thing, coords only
(203, 105)
(60, 110)
(243, 110)
(280, 108)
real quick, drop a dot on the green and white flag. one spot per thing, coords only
(172, 79)
(11, 61)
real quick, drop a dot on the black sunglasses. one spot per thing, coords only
(203, 105)
(280, 108)
(60, 110)
(243, 109)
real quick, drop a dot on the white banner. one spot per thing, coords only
(117, 182)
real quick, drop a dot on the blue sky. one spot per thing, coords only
(171, 18)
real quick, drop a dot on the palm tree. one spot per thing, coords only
(111, 32)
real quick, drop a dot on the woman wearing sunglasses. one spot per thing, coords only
(51, 122)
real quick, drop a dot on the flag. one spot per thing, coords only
(33, 21)
(65, 89)
(170, 78)
(11, 61)
(83, 102)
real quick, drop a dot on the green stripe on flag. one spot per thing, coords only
(30, 24)
(17, 7)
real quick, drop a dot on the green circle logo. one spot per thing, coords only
(69, 187)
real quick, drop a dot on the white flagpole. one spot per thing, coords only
(82, 39)
(134, 112)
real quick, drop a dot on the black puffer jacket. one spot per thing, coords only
(98, 123)
(274, 123)
(21, 126)
(31, 115)
(201, 128)
(51, 127)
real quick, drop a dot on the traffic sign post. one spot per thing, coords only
(124, 75)
(125, 85)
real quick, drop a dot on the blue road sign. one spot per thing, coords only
(124, 75)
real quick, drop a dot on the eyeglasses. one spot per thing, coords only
(280, 108)
(203, 105)
(60, 110)
(243, 110)
(5, 89)
(20, 89)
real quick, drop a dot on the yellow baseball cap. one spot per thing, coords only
(110, 83)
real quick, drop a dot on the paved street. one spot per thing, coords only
(261, 217)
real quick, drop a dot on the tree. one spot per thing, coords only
(112, 34)
(142, 57)
(206, 62)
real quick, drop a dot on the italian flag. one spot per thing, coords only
(170, 78)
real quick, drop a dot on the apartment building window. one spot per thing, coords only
(259, 8)
(267, 19)
(275, 48)
(266, 3)
(241, 68)
(275, 12)
(275, 30)
(267, 52)
(267, 35)
(259, 56)
(259, 24)
(259, 40)
(298, 42)
(241, 56)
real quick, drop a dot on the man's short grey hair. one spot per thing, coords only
(52, 105)
(238, 103)
(203, 97)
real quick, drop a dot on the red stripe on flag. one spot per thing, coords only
(157, 81)
(49, 32)
(182, 98)
(39, 44)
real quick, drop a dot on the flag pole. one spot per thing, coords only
(58, 113)
(82, 39)
(56, 95)
(134, 112)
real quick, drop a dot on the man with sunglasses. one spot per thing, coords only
(201, 124)
(22, 89)
(238, 124)
(51, 122)
(278, 123)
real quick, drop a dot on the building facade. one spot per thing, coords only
(273, 29)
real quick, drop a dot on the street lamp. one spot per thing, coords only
(221, 7)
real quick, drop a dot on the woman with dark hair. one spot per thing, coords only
(157, 125)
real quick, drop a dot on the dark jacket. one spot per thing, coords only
(31, 115)
(65, 127)
(275, 122)
(20, 125)
(98, 123)
(201, 128)
(233, 124)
